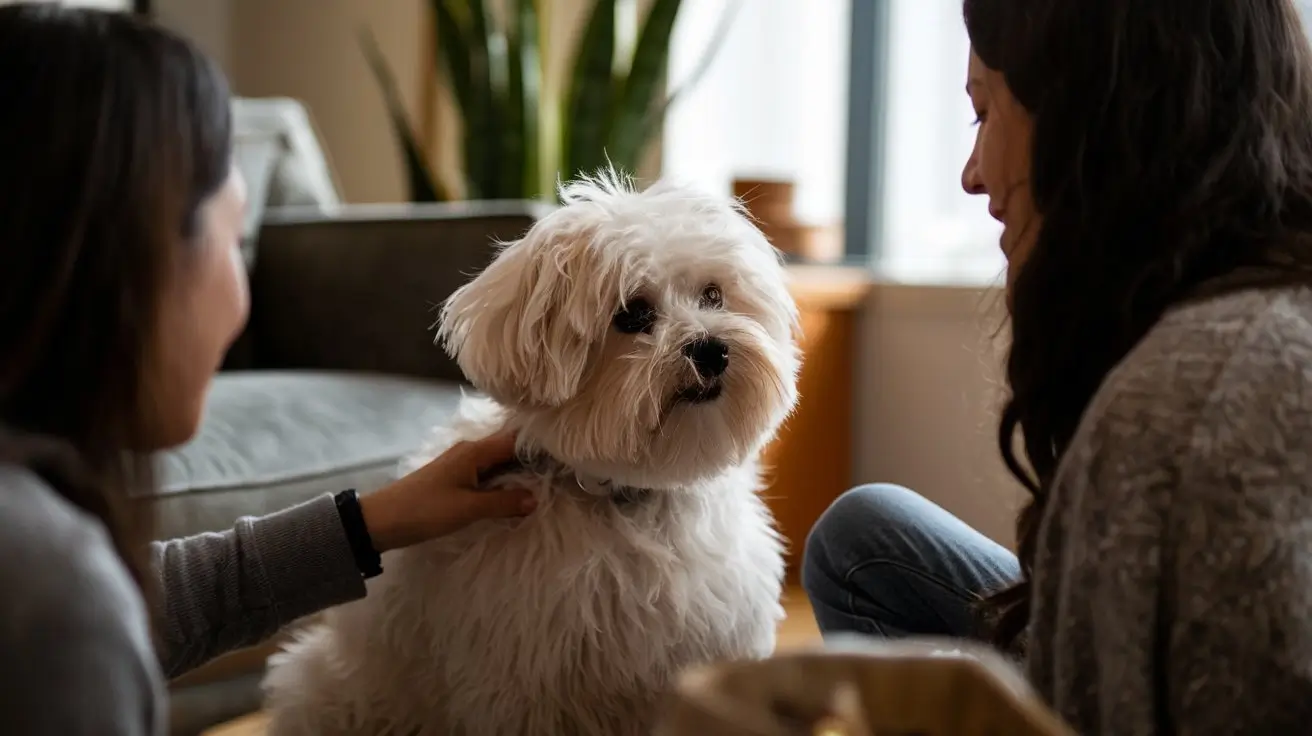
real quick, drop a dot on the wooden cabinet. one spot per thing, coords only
(810, 462)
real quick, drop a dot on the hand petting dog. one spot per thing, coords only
(443, 496)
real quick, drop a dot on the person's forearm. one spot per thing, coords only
(221, 591)
(391, 525)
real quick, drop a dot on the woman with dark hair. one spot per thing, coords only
(121, 287)
(1152, 165)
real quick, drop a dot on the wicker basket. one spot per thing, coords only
(861, 688)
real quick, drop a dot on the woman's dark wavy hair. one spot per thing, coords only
(115, 132)
(1172, 156)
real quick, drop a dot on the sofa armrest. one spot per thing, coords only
(357, 287)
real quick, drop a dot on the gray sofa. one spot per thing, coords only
(335, 378)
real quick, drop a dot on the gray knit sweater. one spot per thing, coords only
(1173, 576)
(75, 647)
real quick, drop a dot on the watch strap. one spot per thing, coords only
(367, 559)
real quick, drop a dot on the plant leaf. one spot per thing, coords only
(628, 134)
(551, 106)
(466, 71)
(483, 122)
(423, 187)
(520, 152)
(510, 107)
(656, 111)
(454, 49)
(590, 95)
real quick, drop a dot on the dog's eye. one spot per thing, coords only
(636, 316)
(712, 297)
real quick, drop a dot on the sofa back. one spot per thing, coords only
(357, 287)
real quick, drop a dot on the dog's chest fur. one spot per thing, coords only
(571, 621)
(574, 620)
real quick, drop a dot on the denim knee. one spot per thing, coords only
(844, 531)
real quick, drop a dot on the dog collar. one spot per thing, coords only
(544, 465)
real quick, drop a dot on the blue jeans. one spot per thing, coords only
(886, 561)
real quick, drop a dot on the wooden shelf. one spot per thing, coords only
(829, 287)
(809, 464)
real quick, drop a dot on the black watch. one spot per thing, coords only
(367, 559)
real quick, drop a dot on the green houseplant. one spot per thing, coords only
(518, 141)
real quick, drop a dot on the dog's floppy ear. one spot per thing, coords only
(523, 330)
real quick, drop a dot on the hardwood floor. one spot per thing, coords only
(797, 629)
(249, 725)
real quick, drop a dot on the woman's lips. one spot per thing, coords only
(1000, 215)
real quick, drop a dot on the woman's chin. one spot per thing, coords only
(172, 429)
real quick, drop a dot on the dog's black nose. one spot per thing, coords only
(710, 356)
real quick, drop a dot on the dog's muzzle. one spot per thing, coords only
(710, 359)
(709, 356)
(701, 393)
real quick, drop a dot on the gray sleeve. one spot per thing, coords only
(222, 591)
(76, 673)
(1239, 568)
(77, 649)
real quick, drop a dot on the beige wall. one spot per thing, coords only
(309, 49)
(928, 389)
(204, 21)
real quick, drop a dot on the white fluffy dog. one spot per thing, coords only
(643, 345)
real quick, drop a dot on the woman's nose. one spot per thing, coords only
(970, 179)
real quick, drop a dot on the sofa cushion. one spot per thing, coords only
(272, 439)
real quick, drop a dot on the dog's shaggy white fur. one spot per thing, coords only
(643, 343)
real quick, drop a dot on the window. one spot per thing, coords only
(862, 104)
(773, 103)
(914, 140)
(923, 226)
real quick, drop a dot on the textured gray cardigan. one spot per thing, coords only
(74, 641)
(1173, 571)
